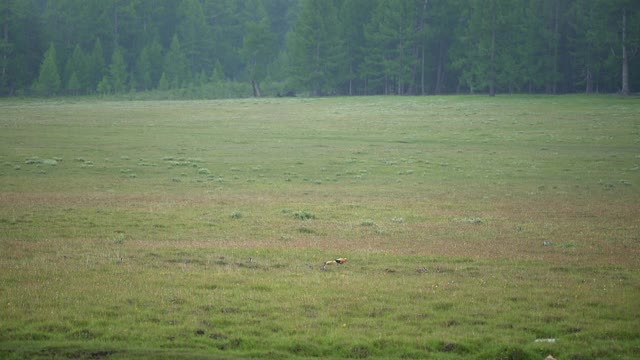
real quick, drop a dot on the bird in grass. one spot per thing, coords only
(336, 261)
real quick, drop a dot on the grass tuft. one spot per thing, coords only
(368, 222)
(306, 230)
(304, 215)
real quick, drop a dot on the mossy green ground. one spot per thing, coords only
(474, 226)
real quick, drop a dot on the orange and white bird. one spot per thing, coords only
(336, 261)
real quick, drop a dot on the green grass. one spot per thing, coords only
(197, 229)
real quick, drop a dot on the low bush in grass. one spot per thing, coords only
(304, 215)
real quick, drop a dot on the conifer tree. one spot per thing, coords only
(143, 69)
(163, 84)
(96, 65)
(218, 73)
(258, 52)
(149, 66)
(77, 65)
(486, 51)
(175, 64)
(193, 30)
(48, 82)
(12, 13)
(104, 86)
(354, 15)
(316, 48)
(390, 44)
(73, 85)
(118, 71)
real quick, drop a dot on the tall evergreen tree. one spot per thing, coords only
(444, 20)
(163, 83)
(486, 57)
(73, 85)
(354, 15)
(48, 82)
(77, 65)
(64, 22)
(149, 66)
(228, 19)
(96, 65)
(143, 69)
(282, 15)
(118, 75)
(510, 46)
(194, 33)
(218, 73)
(7, 16)
(629, 14)
(391, 44)
(258, 51)
(535, 66)
(175, 64)
(21, 45)
(126, 31)
(316, 48)
(157, 61)
(588, 43)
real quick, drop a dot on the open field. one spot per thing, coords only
(474, 226)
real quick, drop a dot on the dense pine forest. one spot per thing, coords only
(237, 48)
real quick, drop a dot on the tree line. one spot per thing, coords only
(224, 48)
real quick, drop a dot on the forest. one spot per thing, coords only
(242, 48)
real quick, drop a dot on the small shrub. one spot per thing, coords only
(452, 347)
(83, 334)
(367, 222)
(236, 215)
(360, 352)
(472, 220)
(128, 174)
(304, 349)
(443, 306)
(118, 239)
(33, 161)
(304, 215)
(204, 171)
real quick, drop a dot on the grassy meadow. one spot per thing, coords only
(475, 227)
